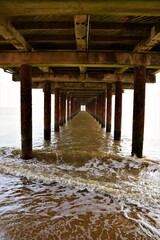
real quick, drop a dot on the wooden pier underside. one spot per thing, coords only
(80, 47)
(80, 41)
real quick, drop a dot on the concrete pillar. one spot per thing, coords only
(26, 111)
(47, 111)
(109, 107)
(118, 111)
(57, 93)
(138, 111)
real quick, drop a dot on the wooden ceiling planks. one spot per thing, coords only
(84, 37)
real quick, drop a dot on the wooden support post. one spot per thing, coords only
(26, 111)
(103, 109)
(72, 107)
(68, 108)
(138, 111)
(64, 107)
(57, 91)
(95, 110)
(109, 107)
(98, 106)
(118, 111)
(47, 111)
(61, 109)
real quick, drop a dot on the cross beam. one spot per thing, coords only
(11, 35)
(48, 7)
(103, 77)
(74, 59)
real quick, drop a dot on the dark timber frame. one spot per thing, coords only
(138, 111)
(109, 107)
(98, 45)
(118, 111)
(26, 111)
(47, 111)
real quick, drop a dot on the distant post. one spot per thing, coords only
(138, 110)
(103, 97)
(118, 111)
(56, 127)
(61, 108)
(68, 108)
(47, 111)
(109, 107)
(26, 111)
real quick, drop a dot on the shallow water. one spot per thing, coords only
(82, 185)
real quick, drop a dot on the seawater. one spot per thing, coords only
(81, 185)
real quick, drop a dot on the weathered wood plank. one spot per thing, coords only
(10, 34)
(151, 41)
(113, 7)
(81, 26)
(106, 77)
(72, 58)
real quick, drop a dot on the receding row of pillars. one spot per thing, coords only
(97, 108)
(65, 112)
(66, 107)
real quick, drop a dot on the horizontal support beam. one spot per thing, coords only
(85, 86)
(75, 59)
(49, 7)
(102, 77)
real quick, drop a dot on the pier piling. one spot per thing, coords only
(57, 96)
(25, 75)
(118, 111)
(138, 111)
(47, 111)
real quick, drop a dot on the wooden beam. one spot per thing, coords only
(152, 40)
(48, 7)
(45, 69)
(11, 35)
(103, 77)
(81, 25)
(144, 46)
(74, 59)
